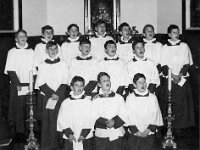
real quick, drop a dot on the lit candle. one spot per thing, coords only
(31, 81)
(169, 79)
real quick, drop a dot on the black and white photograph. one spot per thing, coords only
(99, 74)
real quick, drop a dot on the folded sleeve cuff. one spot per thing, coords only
(152, 128)
(120, 90)
(101, 123)
(47, 90)
(85, 132)
(152, 87)
(14, 79)
(118, 122)
(184, 70)
(133, 129)
(68, 131)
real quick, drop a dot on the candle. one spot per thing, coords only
(114, 15)
(31, 81)
(89, 15)
(169, 79)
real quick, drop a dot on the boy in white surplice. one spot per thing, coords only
(144, 115)
(110, 114)
(74, 118)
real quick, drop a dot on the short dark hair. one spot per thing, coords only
(72, 25)
(109, 42)
(50, 44)
(171, 27)
(99, 22)
(84, 41)
(124, 24)
(20, 30)
(138, 76)
(102, 74)
(135, 42)
(146, 26)
(47, 27)
(77, 78)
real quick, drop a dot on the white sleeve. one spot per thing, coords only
(129, 74)
(154, 77)
(64, 120)
(123, 110)
(37, 56)
(189, 55)
(11, 65)
(65, 74)
(131, 120)
(156, 117)
(40, 77)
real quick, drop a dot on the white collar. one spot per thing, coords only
(149, 41)
(101, 35)
(76, 96)
(44, 40)
(114, 57)
(139, 59)
(141, 93)
(73, 40)
(173, 42)
(101, 92)
(126, 41)
(25, 46)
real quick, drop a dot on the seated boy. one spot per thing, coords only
(109, 112)
(51, 80)
(141, 64)
(70, 46)
(74, 118)
(124, 44)
(40, 49)
(144, 115)
(99, 40)
(114, 66)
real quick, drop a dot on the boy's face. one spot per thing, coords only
(85, 49)
(139, 50)
(174, 34)
(149, 33)
(111, 50)
(73, 32)
(140, 85)
(48, 35)
(105, 83)
(101, 29)
(78, 87)
(52, 51)
(126, 31)
(21, 38)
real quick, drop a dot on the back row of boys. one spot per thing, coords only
(53, 73)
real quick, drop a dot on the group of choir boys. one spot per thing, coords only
(94, 91)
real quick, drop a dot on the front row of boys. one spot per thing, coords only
(140, 113)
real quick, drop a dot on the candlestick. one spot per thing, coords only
(31, 81)
(169, 79)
